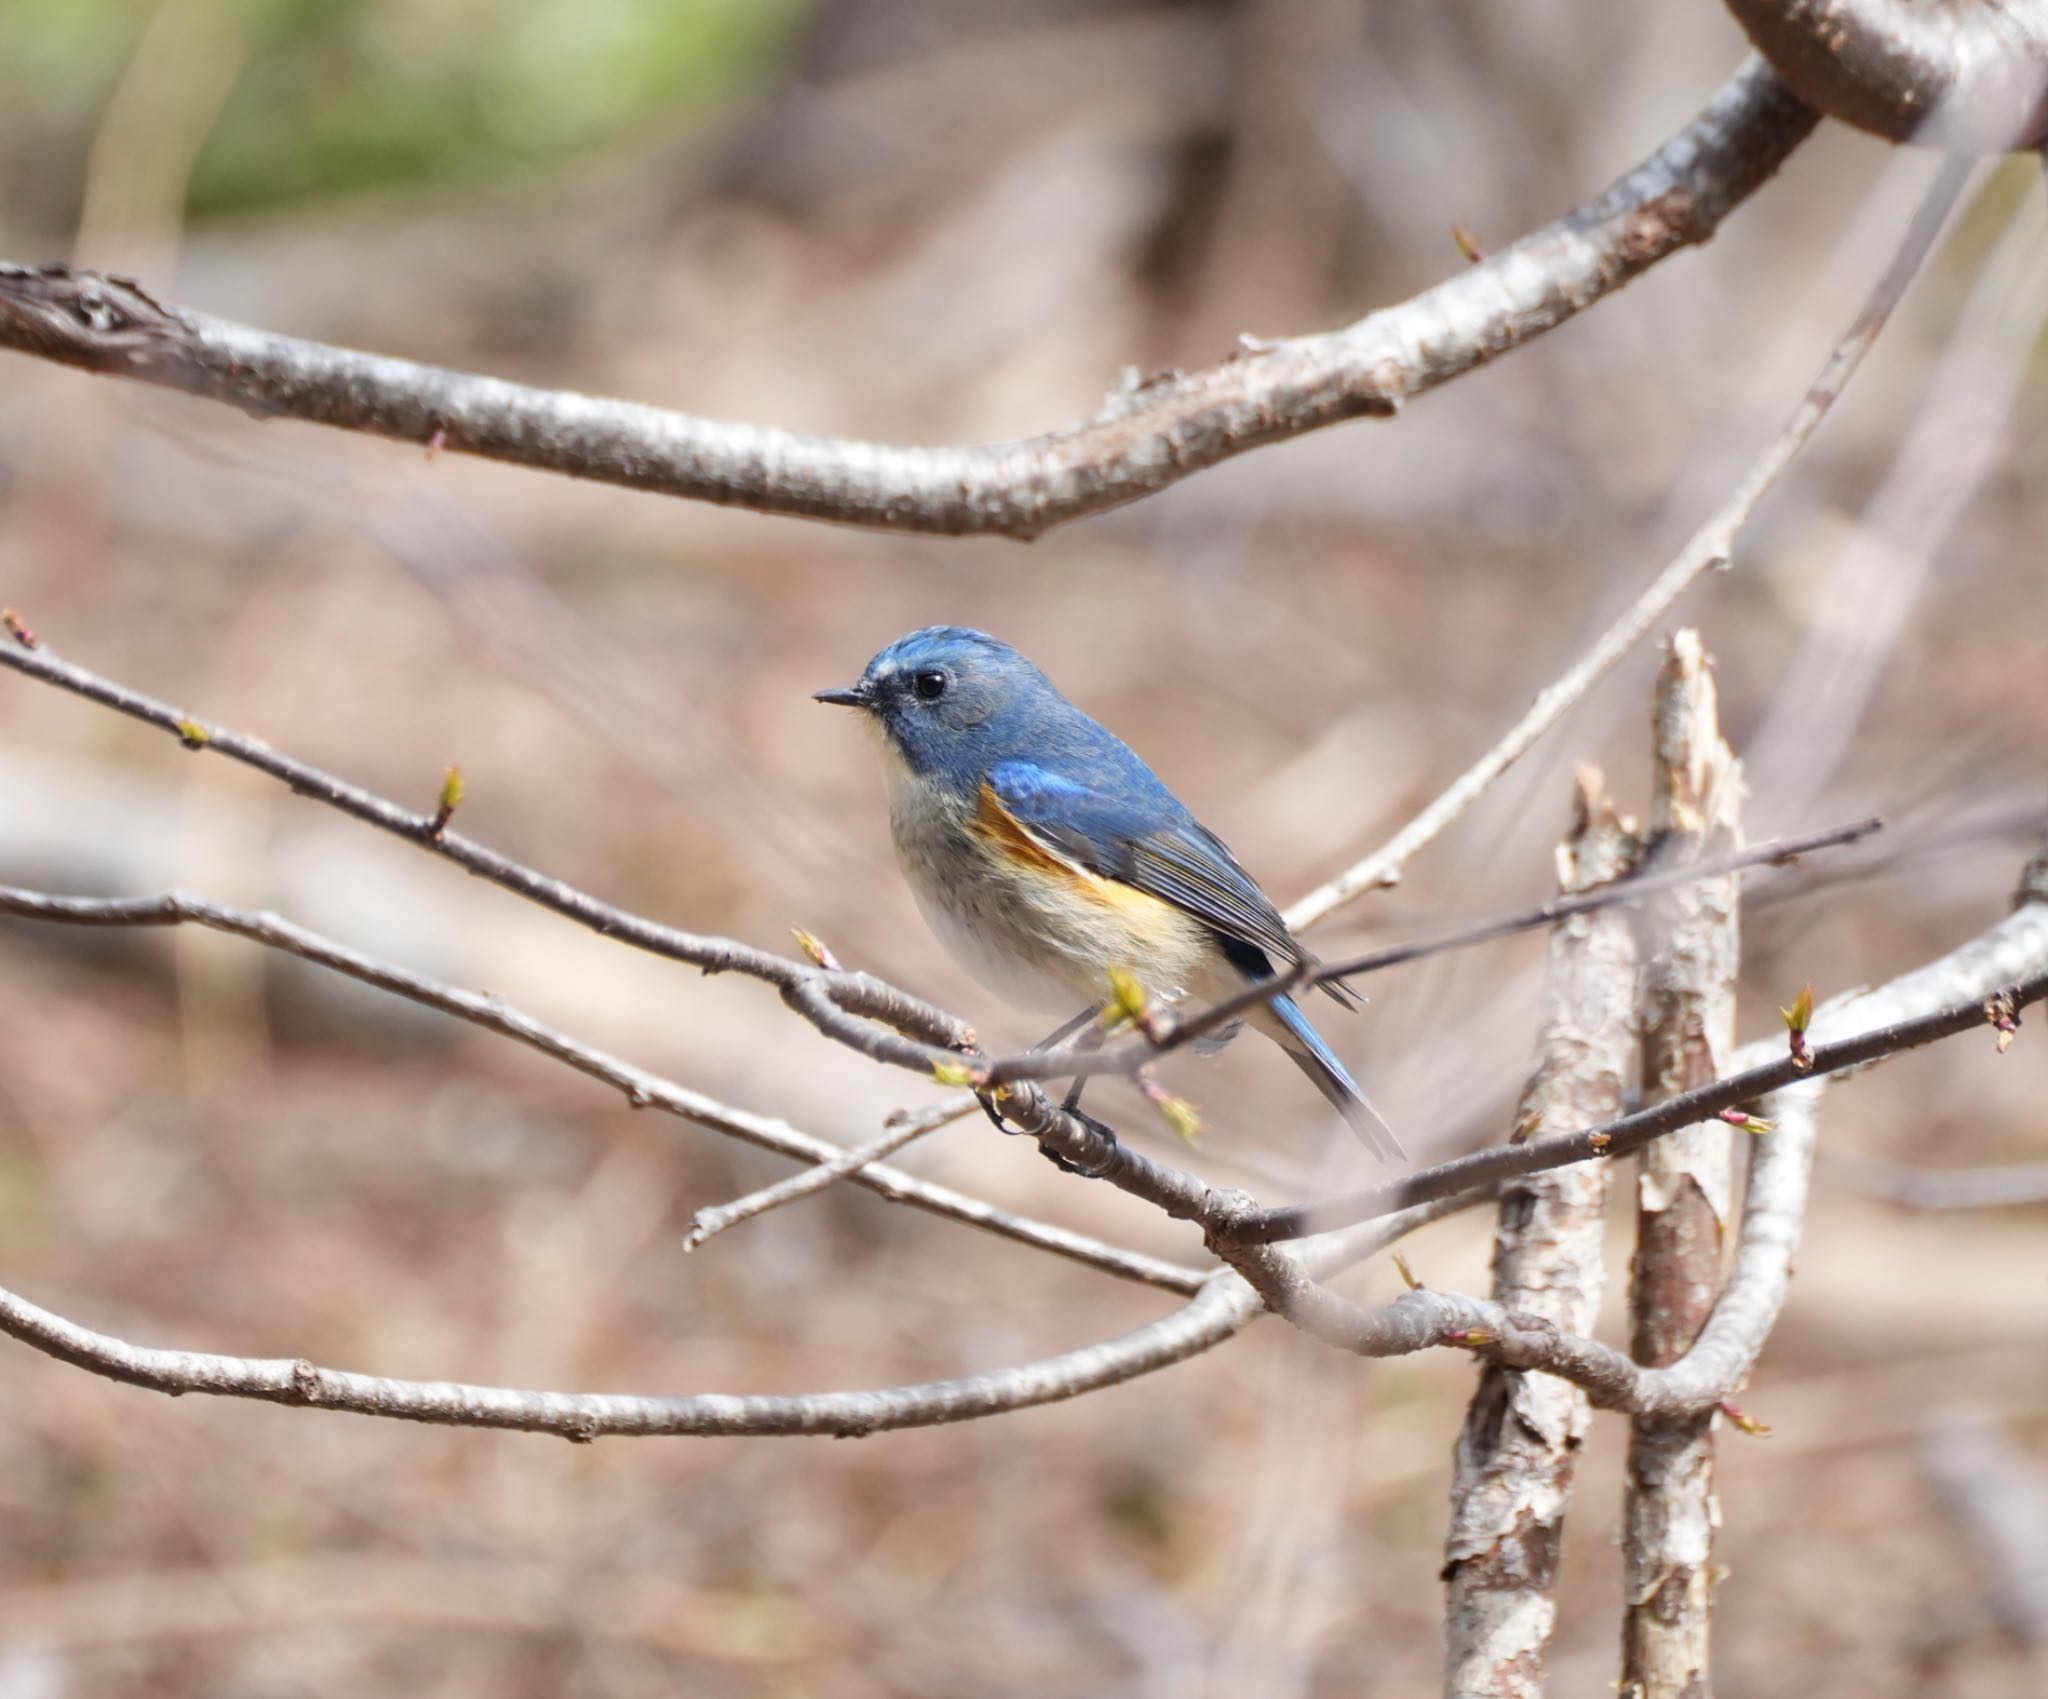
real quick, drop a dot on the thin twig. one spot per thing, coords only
(1710, 547)
(1149, 435)
(642, 1089)
(708, 1223)
(856, 1009)
(1630, 1133)
(1168, 1031)
(1947, 994)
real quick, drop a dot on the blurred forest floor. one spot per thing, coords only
(930, 223)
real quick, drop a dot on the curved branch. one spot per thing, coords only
(642, 1089)
(1147, 436)
(1219, 1310)
(1222, 1307)
(1968, 75)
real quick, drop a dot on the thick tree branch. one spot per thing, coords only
(1147, 436)
(1970, 75)
(1516, 1456)
(1685, 1185)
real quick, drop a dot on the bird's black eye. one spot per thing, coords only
(930, 685)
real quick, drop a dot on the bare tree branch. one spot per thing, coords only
(1513, 1468)
(1218, 1311)
(1235, 1227)
(1711, 547)
(1149, 435)
(1971, 75)
(1774, 1210)
(642, 1089)
(826, 997)
(1691, 951)
(845, 1006)
(1222, 1307)
(1770, 1071)
(711, 1222)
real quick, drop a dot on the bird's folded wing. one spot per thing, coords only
(1176, 859)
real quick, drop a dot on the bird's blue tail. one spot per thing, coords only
(1332, 1079)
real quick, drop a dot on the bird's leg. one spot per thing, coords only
(1066, 1029)
(1091, 1040)
(1052, 1041)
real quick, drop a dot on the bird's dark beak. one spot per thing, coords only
(845, 696)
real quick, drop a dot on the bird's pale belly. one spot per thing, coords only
(1034, 928)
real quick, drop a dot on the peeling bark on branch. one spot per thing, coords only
(1147, 436)
(1515, 1459)
(1691, 949)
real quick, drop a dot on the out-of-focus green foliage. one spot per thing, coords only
(334, 96)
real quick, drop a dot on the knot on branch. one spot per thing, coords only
(86, 318)
(1675, 219)
(1970, 76)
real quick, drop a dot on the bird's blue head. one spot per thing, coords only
(950, 700)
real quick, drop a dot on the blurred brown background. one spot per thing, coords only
(925, 222)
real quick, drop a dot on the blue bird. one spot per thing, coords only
(1044, 852)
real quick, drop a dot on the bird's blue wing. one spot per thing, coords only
(1149, 842)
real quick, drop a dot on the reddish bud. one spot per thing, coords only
(2003, 1012)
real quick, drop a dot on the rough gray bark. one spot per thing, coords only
(1684, 1184)
(1515, 1459)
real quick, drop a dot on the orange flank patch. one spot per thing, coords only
(1003, 832)
(997, 827)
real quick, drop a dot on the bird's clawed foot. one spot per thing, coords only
(1102, 1130)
